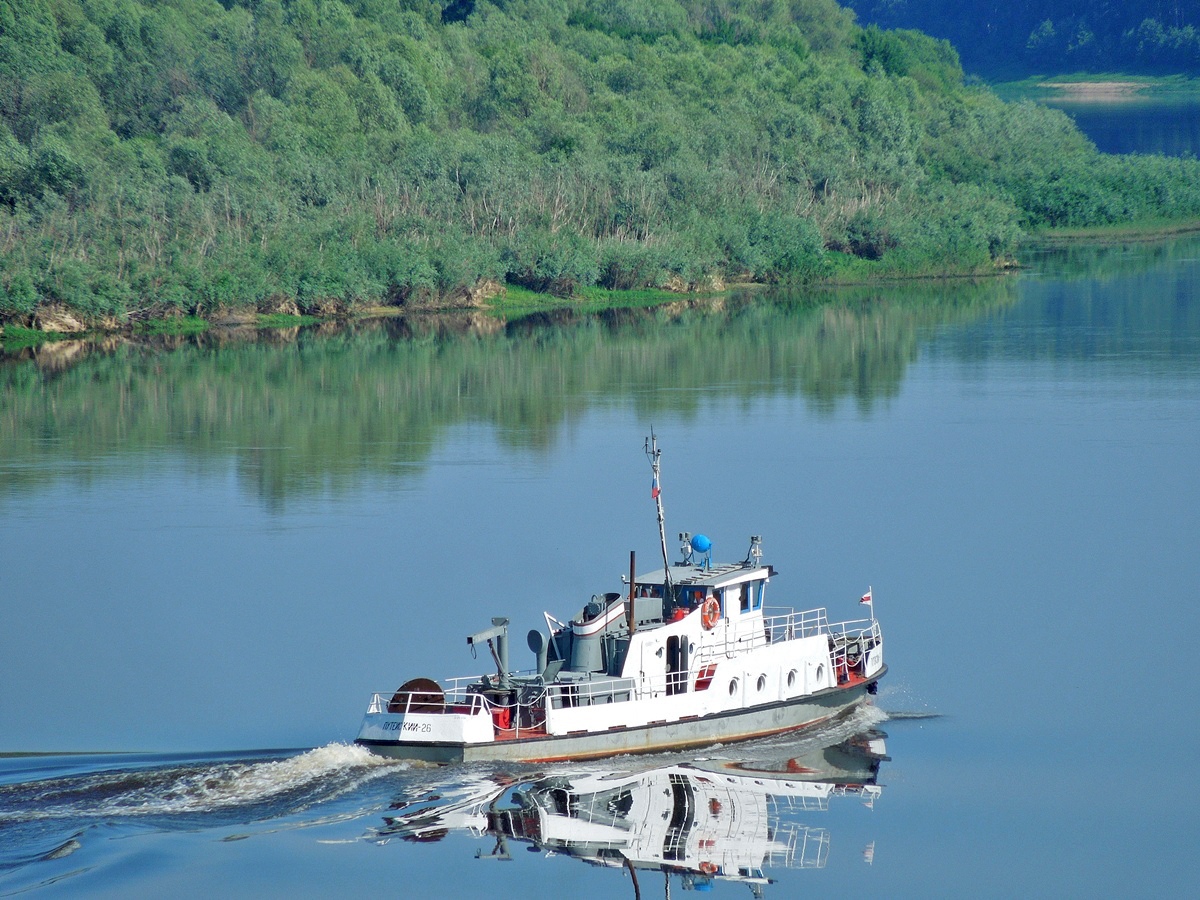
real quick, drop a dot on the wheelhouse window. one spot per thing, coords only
(688, 597)
(750, 596)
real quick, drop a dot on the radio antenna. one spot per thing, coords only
(653, 454)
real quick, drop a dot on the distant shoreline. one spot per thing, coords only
(1097, 91)
(1113, 88)
(1101, 235)
(515, 302)
(26, 754)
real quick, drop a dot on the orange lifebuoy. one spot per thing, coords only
(708, 868)
(710, 612)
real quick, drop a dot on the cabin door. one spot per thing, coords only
(677, 664)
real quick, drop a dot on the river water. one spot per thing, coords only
(222, 543)
(1138, 124)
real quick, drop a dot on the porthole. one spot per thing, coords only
(732, 686)
(659, 652)
(820, 671)
(762, 682)
(792, 678)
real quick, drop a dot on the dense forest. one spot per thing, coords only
(190, 156)
(1021, 37)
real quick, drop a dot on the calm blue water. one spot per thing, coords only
(1170, 127)
(230, 546)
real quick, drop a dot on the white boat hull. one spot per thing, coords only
(715, 728)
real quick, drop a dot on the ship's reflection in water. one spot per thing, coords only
(729, 818)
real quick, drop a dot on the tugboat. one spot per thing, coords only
(685, 656)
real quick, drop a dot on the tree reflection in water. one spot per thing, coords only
(315, 410)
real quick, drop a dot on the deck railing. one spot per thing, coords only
(791, 625)
(425, 702)
(858, 628)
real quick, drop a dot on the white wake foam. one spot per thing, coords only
(314, 776)
(244, 784)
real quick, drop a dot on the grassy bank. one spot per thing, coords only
(510, 304)
(14, 338)
(1146, 231)
(1103, 87)
(515, 302)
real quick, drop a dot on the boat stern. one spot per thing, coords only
(432, 735)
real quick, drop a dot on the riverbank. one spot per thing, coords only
(511, 303)
(1100, 235)
(1096, 91)
(1102, 88)
(508, 303)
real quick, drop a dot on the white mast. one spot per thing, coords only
(652, 454)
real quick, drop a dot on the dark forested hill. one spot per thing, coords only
(1022, 37)
(189, 154)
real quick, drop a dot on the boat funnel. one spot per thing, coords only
(540, 647)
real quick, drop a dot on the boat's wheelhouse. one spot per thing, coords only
(738, 589)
